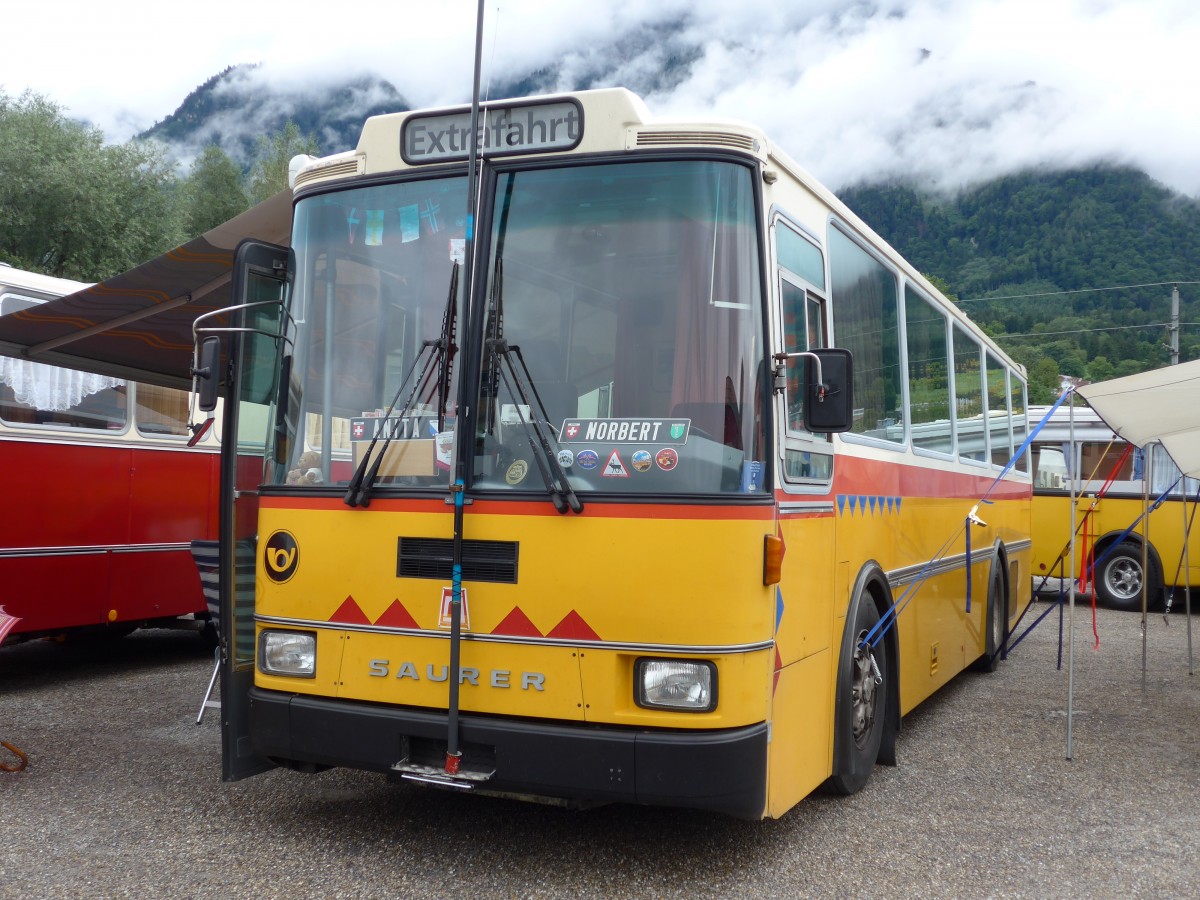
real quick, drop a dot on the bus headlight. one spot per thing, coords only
(677, 684)
(292, 653)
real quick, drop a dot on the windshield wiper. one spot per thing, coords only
(507, 364)
(434, 356)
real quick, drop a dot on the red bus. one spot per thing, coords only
(103, 497)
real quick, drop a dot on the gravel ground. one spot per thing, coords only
(122, 797)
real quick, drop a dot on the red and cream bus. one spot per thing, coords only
(102, 495)
(713, 446)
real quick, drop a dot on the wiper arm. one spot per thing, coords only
(434, 355)
(517, 379)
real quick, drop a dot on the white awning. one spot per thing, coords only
(1161, 405)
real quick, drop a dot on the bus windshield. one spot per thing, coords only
(373, 269)
(619, 330)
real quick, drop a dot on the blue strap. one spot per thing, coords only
(1025, 446)
(967, 526)
(872, 637)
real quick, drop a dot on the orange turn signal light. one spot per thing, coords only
(772, 559)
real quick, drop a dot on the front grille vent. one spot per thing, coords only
(708, 138)
(434, 558)
(342, 169)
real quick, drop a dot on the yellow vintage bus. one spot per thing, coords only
(644, 479)
(1119, 549)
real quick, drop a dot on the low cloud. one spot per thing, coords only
(941, 92)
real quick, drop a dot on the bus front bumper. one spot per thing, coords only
(723, 771)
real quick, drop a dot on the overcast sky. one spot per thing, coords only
(946, 91)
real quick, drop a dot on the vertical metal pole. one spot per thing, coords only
(458, 460)
(1148, 472)
(1187, 571)
(1072, 470)
(1173, 328)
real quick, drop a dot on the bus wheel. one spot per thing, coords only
(997, 622)
(861, 705)
(1120, 578)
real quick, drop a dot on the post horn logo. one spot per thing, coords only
(281, 556)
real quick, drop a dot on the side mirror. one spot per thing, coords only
(828, 390)
(207, 376)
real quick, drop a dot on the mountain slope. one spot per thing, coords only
(1080, 239)
(233, 108)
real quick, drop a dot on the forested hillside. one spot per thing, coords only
(1048, 234)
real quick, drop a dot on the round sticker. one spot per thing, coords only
(566, 458)
(517, 471)
(667, 459)
(281, 556)
(587, 459)
(641, 460)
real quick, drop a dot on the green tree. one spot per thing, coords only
(73, 206)
(1043, 381)
(269, 174)
(942, 285)
(212, 193)
(1100, 369)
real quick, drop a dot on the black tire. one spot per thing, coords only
(100, 634)
(861, 704)
(1119, 578)
(995, 621)
(208, 634)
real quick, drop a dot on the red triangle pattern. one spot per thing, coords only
(778, 667)
(517, 624)
(396, 616)
(573, 627)
(350, 614)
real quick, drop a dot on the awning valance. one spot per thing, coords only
(138, 325)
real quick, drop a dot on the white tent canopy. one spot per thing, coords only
(1162, 405)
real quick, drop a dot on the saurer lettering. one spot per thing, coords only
(497, 678)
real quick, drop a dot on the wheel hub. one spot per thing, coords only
(863, 691)
(1124, 579)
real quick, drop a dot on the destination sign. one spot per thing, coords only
(624, 431)
(503, 130)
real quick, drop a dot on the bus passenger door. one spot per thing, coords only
(252, 348)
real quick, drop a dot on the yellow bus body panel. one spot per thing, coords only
(595, 593)
(1053, 526)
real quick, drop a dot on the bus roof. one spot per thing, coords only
(41, 286)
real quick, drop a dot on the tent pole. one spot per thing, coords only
(1187, 570)
(1072, 469)
(1148, 473)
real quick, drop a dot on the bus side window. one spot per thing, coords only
(1050, 469)
(806, 457)
(160, 410)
